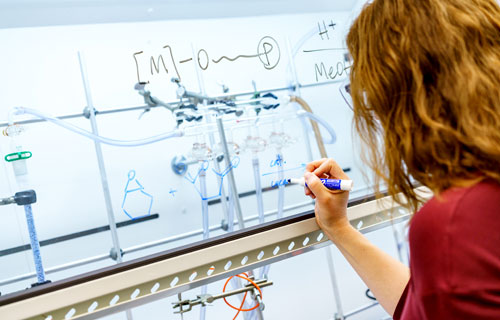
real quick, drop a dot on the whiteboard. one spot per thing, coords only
(42, 72)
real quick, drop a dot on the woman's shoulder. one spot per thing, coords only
(458, 236)
(482, 198)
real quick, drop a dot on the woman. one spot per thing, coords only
(425, 81)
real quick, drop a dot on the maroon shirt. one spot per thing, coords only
(455, 257)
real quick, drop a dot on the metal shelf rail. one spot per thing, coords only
(137, 282)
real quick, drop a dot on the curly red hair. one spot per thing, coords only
(425, 83)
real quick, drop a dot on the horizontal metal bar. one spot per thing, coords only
(360, 309)
(55, 269)
(7, 201)
(140, 247)
(324, 83)
(79, 115)
(137, 282)
(64, 117)
(78, 234)
(288, 88)
(137, 108)
(210, 299)
(249, 287)
(146, 107)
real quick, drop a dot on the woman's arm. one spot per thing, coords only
(385, 276)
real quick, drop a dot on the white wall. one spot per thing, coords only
(31, 13)
(40, 69)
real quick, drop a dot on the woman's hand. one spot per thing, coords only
(384, 275)
(331, 205)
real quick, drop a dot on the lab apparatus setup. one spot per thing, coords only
(147, 161)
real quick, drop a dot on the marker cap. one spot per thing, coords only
(346, 185)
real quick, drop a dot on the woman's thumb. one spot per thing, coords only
(314, 184)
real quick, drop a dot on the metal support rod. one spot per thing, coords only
(258, 187)
(220, 180)
(399, 243)
(230, 212)
(205, 222)
(102, 169)
(35, 244)
(232, 182)
(100, 161)
(335, 287)
(258, 193)
(281, 186)
(204, 204)
(258, 311)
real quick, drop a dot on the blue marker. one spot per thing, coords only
(332, 184)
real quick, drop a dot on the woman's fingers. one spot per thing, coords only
(310, 167)
(308, 193)
(324, 168)
(331, 169)
(316, 186)
(313, 165)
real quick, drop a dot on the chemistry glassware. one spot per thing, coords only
(201, 152)
(255, 144)
(233, 147)
(280, 140)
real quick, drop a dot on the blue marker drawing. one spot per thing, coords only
(278, 162)
(302, 166)
(203, 168)
(136, 195)
(172, 192)
(276, 184)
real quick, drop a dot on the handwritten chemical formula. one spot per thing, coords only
(278, 165)
(323, 70)
(203, 169)
(268, 53)
(279, 162)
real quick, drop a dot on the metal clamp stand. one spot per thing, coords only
(206, 299)
(116, 252)
(26, 198)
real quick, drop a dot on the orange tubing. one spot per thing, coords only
(243, 276)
